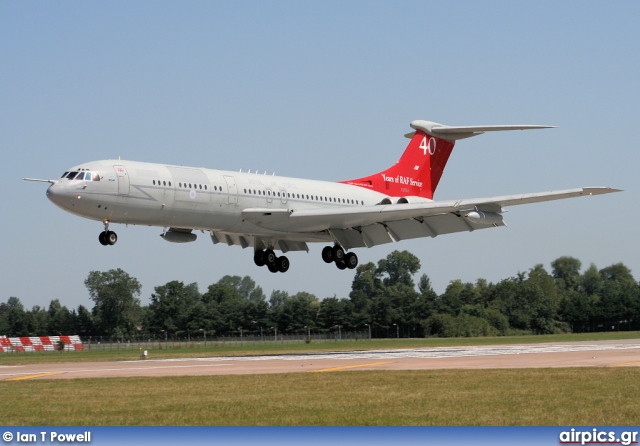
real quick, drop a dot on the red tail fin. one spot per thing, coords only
(418, 171)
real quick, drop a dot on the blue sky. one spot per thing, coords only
(322, 90)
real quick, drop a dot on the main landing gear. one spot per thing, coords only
(271, 260)
(335, 254)
(107, 237)
(342, 260)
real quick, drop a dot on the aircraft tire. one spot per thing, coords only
(103, 239)
(259, 258)
(270, 257)
(351, 260)
(272, 267)
(327, 255)
(111, 237)
(338, 253)
(283, 264)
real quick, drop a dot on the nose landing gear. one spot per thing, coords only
(107, 237)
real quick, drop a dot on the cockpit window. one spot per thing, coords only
(86, 176)
(64, 174)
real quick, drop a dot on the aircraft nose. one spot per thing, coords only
(55, 194)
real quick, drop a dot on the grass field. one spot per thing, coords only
(577, 396)
(571, 396)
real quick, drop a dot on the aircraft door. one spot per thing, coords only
(232, 188)
(123, 180)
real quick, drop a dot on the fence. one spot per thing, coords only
(146, 343)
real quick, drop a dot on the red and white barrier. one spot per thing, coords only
(39, 343)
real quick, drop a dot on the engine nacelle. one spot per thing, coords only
(404, 200)
(413, 200)
(484, 218)
(179, 237)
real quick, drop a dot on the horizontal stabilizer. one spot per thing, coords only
(451, 132)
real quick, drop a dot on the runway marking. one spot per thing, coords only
(108, 370)
(39, 375)
(623, 364)
(333, 369)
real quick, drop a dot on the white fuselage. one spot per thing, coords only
(160, 195)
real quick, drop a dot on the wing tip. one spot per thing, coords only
(600, 190)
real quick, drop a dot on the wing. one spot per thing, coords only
(374, 225)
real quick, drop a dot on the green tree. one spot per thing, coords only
(38, 320)
(299, 311)
(116, 308)
(60, 319)
(333, 311)
(4, 319)
(566, 272)
(619, 303)
(171, 307)
(84, 322)
(245, 287)
(17, 319)
(398, 268)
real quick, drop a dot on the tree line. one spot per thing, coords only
(384, 299)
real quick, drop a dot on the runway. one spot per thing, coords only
(576, 354)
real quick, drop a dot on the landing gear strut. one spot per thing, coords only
(342, 260)
(271, 260)
(107, 237)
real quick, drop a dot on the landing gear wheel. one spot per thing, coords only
(338, 253)
(272, 267)
(103, 239)
(282, 264)
(351, 260)
(327, 254)
(259, 258)
(341, 264)
(111, 237)
(270, 257)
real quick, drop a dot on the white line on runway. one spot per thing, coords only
(421, 353)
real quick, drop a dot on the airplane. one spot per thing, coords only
(272, 213)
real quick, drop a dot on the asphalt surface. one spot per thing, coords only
(624, 353)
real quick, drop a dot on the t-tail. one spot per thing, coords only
(420, 168)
